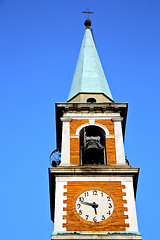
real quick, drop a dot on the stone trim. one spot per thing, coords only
(92, 179)
(66, 119)
(79, 115)
(74, 136)
(60, 205)
(92, 169)
(120, 154)
(110, 136)
(130, 205)
(95, 124)
(117, 119)
(65, 152)
(99, 236)
(64, 220)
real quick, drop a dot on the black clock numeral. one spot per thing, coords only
(109, 213)
(103, 217)
(110, 205)
(101, 194)
(86, 194)
(95, 192)
(94, 219)
(80, 212)
(109, 199)
(78, 205)
(81, 199)
(87, 216)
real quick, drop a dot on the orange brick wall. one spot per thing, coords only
(75, 151)
(110, 151)
(110, 142)
(74, 142)
(75, 123)
(107, 123)
(116, 222)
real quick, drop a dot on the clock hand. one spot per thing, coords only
(94, 205)
(87, 203)
(95, 211)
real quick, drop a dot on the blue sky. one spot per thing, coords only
(39, 46)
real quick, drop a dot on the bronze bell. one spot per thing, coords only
(93, 152)
(92, 145)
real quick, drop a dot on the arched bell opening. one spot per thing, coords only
(91, 100)
(92, 145)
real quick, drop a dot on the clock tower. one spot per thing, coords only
(92, 187)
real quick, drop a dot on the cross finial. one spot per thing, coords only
(87, 12)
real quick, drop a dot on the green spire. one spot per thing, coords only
(89, 76)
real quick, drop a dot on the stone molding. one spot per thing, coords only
(93, 124)
(66, 119)
(92, 169)
(109, 236)
(117, 119)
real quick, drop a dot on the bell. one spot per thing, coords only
(92, 145)
(93, 152)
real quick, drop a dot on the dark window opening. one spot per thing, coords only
(91, 100)
(92, 145)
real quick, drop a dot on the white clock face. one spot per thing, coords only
(94, 206)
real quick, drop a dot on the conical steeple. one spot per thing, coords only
(89, 77)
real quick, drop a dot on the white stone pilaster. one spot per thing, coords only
(59, 212)
(120, 155)
(131, 208)
(65, 148)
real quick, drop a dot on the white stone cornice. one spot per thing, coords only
(95, 169)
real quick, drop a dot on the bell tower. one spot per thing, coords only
(92, 187)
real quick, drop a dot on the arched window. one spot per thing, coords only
(91, 100)
(92, 145)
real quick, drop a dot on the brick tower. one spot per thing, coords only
(93, 189)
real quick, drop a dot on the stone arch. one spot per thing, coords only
(90, 124)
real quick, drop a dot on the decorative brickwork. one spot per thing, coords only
(75, 151)
(110, 151)
(116, 222)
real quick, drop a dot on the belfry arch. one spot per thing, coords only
(92, 124)
(92, 145)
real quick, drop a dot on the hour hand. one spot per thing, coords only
(87, 203)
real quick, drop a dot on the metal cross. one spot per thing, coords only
(88, 12)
